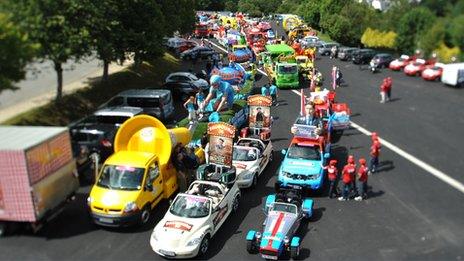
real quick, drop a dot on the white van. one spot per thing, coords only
(453, 74)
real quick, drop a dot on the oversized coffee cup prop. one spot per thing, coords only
(260, 111)
(221, 137)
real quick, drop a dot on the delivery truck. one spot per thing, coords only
(139, 174)
(37, 175)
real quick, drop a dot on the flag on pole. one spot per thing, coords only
(302, 111)
(334, 77)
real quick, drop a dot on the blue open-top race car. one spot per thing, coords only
(284, 211)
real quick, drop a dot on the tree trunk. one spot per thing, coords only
(59, 74)
(106, 65)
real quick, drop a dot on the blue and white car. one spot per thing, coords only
(284, 211)
(304, 160)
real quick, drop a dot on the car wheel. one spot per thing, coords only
(145, 215)
(295, 252)
(251, 246)
(236, 203)
(204, 245)
(255, 181)
(3, 229)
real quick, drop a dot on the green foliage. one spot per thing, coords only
(445, 53)
(432, 38)
(15, 52)
(378, 39)
(311, 12)
(411, 28)
(231, 5)
(456, 31)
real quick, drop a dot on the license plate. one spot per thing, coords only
(269, 257)
(106, 220)
(167, 253)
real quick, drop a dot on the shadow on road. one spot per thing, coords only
(385, 165)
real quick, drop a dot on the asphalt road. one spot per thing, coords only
(409, 214)
(41, 78)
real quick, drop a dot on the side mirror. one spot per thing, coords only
(149, 187)
(170, 202)
(284, 152)
(326, 155)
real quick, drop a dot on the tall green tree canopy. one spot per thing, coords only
(412, 26)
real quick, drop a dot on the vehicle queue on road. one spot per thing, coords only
(142, 170)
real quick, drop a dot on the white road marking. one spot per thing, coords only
(421, 164)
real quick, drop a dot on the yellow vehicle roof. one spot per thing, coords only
(131, 158)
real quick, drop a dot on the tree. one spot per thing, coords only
(231, 5)
(378, 39)
(61, 29)
(15, 53)
(456, 32)
(412, 26)
(311, 12)
(432, 38)
(250, 7)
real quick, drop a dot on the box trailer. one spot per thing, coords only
(453, 74)
(37, 174)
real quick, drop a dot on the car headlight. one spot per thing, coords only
(247, 175)
(194, 241)
(89, 201)
(131, 206)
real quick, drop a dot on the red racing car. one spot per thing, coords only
(400, 63)
(433, 73)
(416, 67)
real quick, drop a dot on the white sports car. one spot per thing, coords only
(250, 158)
(193, 218)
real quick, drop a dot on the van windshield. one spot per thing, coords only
(288, 69)
(106, 119)
(121, 177)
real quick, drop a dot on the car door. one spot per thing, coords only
(221, 212)
(153, 186)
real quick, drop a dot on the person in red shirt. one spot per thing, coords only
(362, 180)
(389, 87)
(348, 173)
(374, 153)
(332, 174)
(383, 91)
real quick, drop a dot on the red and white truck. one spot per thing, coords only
(37, 174)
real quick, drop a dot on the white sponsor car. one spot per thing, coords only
(193, 219)
(250, 158)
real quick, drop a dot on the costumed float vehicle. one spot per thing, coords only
(284, 213)
(280, 65)
(300, 32)
(335, 116)
(202, 30)
(306, 155)
(195, 216)
(253, 151)
(139, 174)
(241, 54)
(290, 22)
(256, 39)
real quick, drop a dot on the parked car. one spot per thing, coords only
(184, 46)
(187, 78)
(154, 102)
(363, 56)
(400, 63)
(174, 42)
(453, 74)
(95, 133)
(382, 60)
(433, 73)
(346, 53)
(416, 67)
(197, 52)
(326, 48)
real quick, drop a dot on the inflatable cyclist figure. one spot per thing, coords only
(222, 92)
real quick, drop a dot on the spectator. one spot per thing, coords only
(388, 88)
(362, 180)
(209, 67)
(374, 153)
(273, 93)
(264, 90)
(347, 176)
(190, 106)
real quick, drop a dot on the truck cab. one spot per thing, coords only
(138, 175)
(287, 75)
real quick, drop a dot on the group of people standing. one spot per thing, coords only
(353, 178)
(186, 162)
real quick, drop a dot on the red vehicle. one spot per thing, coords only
(416, 67)
(256, 39)
(433, 73)
(202, 30)
(184, 46)
(400, 63)
(264, 26)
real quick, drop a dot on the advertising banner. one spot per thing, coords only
(260, 111)
(221, 137)
(304, 131)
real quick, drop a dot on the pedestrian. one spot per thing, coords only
(374, 153)
(362, 180)
(264, 90)
(332, 174)
(199, 99)
(273, 93)
(389, 87)
(383, 91)
(347, 178)
(190, 106)
(209, 67)
(215, 57)
(178, 157)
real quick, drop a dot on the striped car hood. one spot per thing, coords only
(278, 225)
